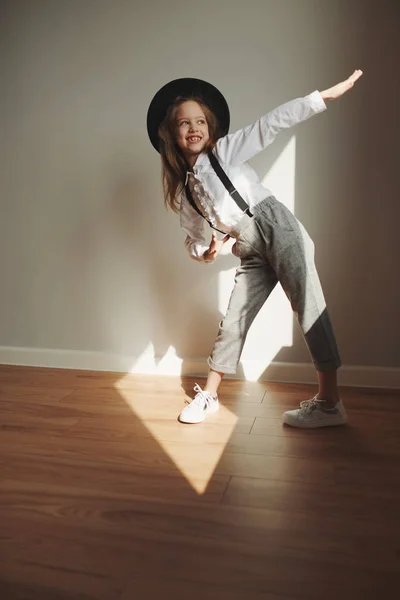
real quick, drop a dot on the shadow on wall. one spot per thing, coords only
(146, 294)
(184, 295)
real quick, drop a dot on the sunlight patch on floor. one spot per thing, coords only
(195, 450)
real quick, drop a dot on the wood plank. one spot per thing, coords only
(311, 497)
(32, 580)
(140, 586)
(108, 481)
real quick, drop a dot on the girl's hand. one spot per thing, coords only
(341, 88)
(215, 247)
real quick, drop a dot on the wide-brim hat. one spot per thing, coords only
(186, 87)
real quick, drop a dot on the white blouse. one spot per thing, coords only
(232, 151)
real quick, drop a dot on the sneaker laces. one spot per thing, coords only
(202, 399)
(307, 406)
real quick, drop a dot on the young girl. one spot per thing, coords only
(188, 121)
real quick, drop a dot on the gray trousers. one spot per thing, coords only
(273, 246)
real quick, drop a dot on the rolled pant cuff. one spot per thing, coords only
(327, 366)
(221, 368)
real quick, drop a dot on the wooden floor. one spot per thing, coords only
(105, 496)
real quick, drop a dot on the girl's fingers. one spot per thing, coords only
(213, 241)
(216, 244)
(356, 75)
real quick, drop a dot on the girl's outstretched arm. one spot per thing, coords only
(238, 147)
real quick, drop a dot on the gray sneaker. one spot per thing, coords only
(316, 413)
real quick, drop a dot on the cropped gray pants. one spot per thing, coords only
(273, 246)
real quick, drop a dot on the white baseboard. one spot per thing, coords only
(349, 375)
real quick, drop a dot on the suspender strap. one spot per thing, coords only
(228, 184)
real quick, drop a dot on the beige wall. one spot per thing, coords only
(90, 259)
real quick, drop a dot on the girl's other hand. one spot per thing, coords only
(341, 88)
(215, 247)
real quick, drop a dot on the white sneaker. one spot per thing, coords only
(203, 404)
(316, 413)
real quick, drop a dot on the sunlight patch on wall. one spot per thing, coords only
(148, 363)
(273, 327)
(281, 177)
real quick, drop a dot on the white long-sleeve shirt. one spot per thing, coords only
(232, 151)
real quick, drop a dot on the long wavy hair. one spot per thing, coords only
(174, 165)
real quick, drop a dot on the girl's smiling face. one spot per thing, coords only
(191, 130)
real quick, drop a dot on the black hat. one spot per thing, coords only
(185, 87)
